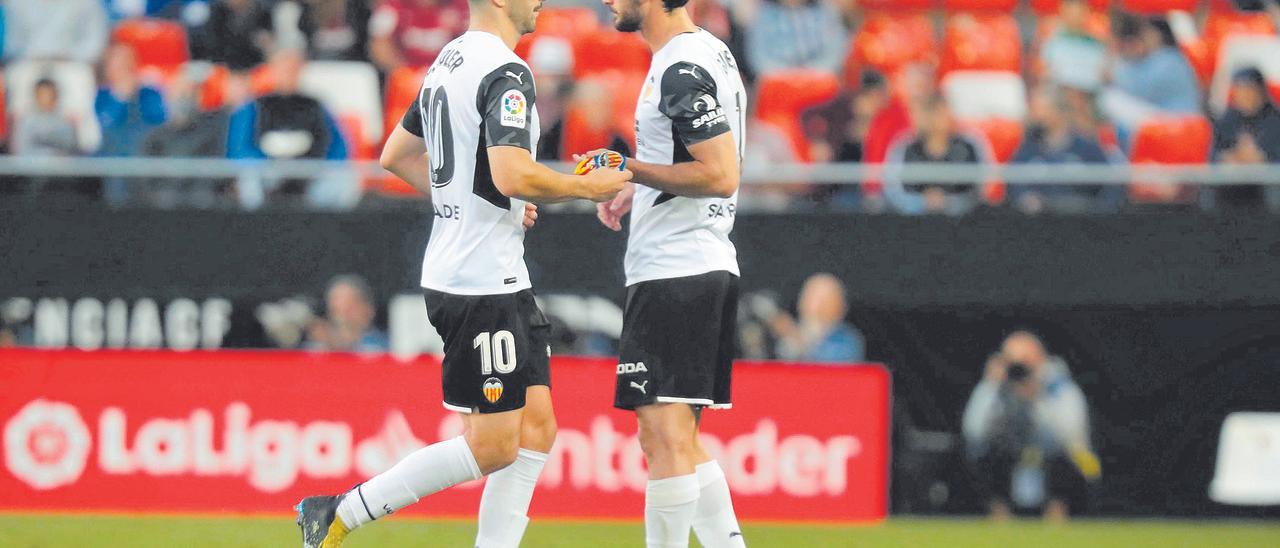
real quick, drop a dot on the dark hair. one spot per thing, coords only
(357, 282)
(1128, 27)
(673, 4)
(47, 82)
(871, 79)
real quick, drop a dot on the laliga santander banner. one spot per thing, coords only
(240, 432)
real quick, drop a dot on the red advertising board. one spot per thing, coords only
(252, 432)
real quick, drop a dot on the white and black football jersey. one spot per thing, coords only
(693, 92)
(478, 94)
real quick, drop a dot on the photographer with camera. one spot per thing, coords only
(1026, 432)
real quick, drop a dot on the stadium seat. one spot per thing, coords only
(976, 94)
(213, 94)
(623, 91)
(566, 23)
(1203, 54)
(1048, 7)
(356, 95)
(979, 5)
(1169, 140)
(1237, 52)
(160, 46)
(1004, 135)
(889, 41)
(781, 98)
(4, 118)
(403, 85)
(1157, 7)
(606, 50)
(76, 87)
(981, 41)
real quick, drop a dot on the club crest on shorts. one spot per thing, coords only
(493, 389)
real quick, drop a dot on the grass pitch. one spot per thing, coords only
(48, 531)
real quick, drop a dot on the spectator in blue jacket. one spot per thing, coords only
(1051, 138)
(788, 34)
(285, 125)
(1151, 78)
(127, 111)
(821, 333)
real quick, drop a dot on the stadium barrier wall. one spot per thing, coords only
(254, 432)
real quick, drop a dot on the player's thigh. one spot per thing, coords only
(667, 426)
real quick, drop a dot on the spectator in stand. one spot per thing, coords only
(551, 58)
(1073, 57)
(589, 121)
(850, 120)
(55, 30)
(1247, 133)
(237, 33)
(1026, 432)
(337, 30)
(790, 34)
(127, 111)
(821, 333)
(1051, 138)
(936, 140)
(46, 131)
(1150, 78)
(891, 122)
(348, 325)
(286, 124)
(189, 133)
(164, 9)
(412, 32)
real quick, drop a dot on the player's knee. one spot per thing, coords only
(494, 452)
(659, 442)
(538, 433)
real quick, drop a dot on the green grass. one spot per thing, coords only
(30, 531)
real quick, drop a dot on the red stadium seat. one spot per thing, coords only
(562, 22)
(1156, 7)
(582, 134)
(1046, 7)
(1169, 140)
(889, 41)
(4, 113)
(402, 90)
(782, 96)
(979, 5)
(606, 50)
(982, 41)
(158, 44)
(1203, 54)
(897, 5)
(1003, 134)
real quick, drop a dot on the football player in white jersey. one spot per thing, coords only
(469, 141)
(679, 333)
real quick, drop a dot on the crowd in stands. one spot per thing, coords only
(873, 81)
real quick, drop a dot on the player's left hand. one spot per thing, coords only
(530, 215)
(610, 213)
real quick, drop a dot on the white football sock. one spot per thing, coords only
(504, 506)
(714, 521)
(428, 470)
(669, 505)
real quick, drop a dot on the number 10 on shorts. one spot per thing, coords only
(497, 351)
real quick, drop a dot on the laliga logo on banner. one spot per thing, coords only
(46, 444)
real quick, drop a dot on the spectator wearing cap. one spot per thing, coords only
(55, 30)
(412, 32)
(1051, 138)
(791, 34)
(1247, 133)
(1150, 78)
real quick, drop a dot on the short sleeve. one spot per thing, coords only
(689, 99)
(505, 100)
(412, 119)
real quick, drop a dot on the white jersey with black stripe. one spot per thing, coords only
(693, 92)
(478, 94)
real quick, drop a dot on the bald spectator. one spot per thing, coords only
(55, 30)
(1026, 431)
(348, 324)
(821, 333)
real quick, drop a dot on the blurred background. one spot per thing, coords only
(1055, 222)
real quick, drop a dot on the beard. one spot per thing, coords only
(628, 22)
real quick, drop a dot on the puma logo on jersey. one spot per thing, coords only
(516, 77)
(628, 368)
(691, 72)
(640, 386)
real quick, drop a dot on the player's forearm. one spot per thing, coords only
(537, 183)
(415, 171)
(692, 179)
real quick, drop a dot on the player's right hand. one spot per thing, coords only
(611, 212)
(602, 185)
